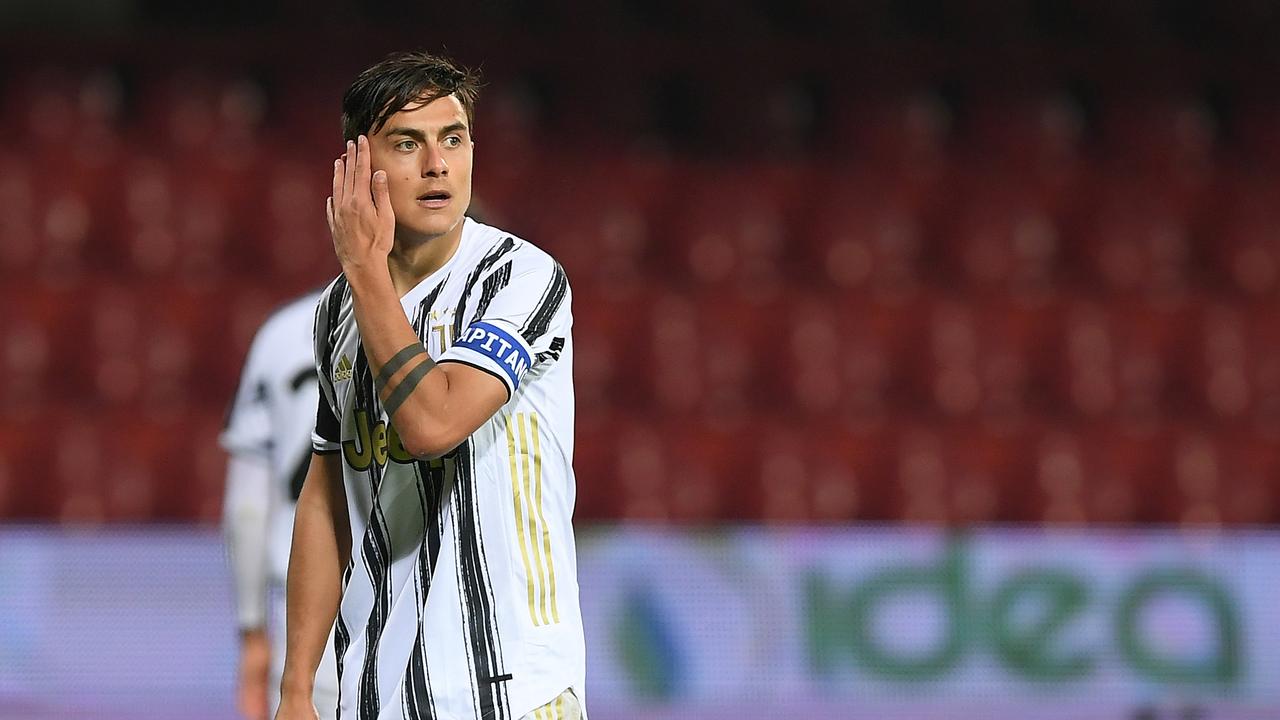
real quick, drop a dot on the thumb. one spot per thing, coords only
(382, 198)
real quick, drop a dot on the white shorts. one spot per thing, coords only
(326, 691)
(564, 707)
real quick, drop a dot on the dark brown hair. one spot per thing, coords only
(402, 79)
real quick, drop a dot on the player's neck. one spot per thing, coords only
(413, 258)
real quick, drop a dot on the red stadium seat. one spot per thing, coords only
(1233, 369)
(286, 235)
(607, 242)
(860, 237)
(1119, 361)
(1242, 239)
(998, 236)
(686, 472)
(191, 443)
(1224, 479)
(1132, 238)
(840, 357)
(612, 355)
(983, 359)
(1105, 474)
(825, 472)
(959, 475)
(733, 234)
(51, 225)
(60, 102)
(709, 355)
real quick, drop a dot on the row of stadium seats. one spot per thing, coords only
(708, 226)
(157, 347)
(75, 468)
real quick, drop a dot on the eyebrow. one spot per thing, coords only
(416, 134)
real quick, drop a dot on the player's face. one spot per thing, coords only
(426, 152)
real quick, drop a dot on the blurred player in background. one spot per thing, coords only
(268, 437)
(435, 521)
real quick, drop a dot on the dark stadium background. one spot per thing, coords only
(927, 354)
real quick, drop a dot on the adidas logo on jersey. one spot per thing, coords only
(343, 370)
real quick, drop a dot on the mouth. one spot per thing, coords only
(434, 200)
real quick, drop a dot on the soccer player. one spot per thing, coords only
(435, 519)
(268, 438)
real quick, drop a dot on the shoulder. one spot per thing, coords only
(286, 323)
(326, 309)
(292, 313)
(496, 247)
(334, 290)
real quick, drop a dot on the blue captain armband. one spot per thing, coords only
(499, 346)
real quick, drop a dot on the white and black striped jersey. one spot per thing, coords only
(461, 597)
(272, 417)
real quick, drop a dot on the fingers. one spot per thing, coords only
(362, 164)
(338, 172)
(382, 200)
(328, 215)
(349, 172)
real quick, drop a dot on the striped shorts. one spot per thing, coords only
(564, 707)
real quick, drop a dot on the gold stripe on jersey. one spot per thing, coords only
(533, 519)
(515, 495)
(530, 518)
(546, 530)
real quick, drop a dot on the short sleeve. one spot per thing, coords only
(519, 322)
(327, 435)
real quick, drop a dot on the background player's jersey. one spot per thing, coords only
(273, 412)
(461, 599)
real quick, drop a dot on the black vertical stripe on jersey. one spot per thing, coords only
(418, 699)
(338, 293)
(553, 351)
(341, 641)
(376, 546)
(424, 309)
(419, 704)
(538, 323)
(497, 280)
(480, 622)
(485, 263)
(416, 691)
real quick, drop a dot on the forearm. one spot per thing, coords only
(321, 548)
(246, 514)
(413, 390)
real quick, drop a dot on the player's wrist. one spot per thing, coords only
(297, 684)
(367, 272)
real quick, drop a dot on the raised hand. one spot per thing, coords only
(359, 211)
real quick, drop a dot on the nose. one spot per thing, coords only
(433, 163)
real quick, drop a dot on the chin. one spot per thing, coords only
(432, 227)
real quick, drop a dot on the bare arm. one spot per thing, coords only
(434, 407)
(321, 549)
